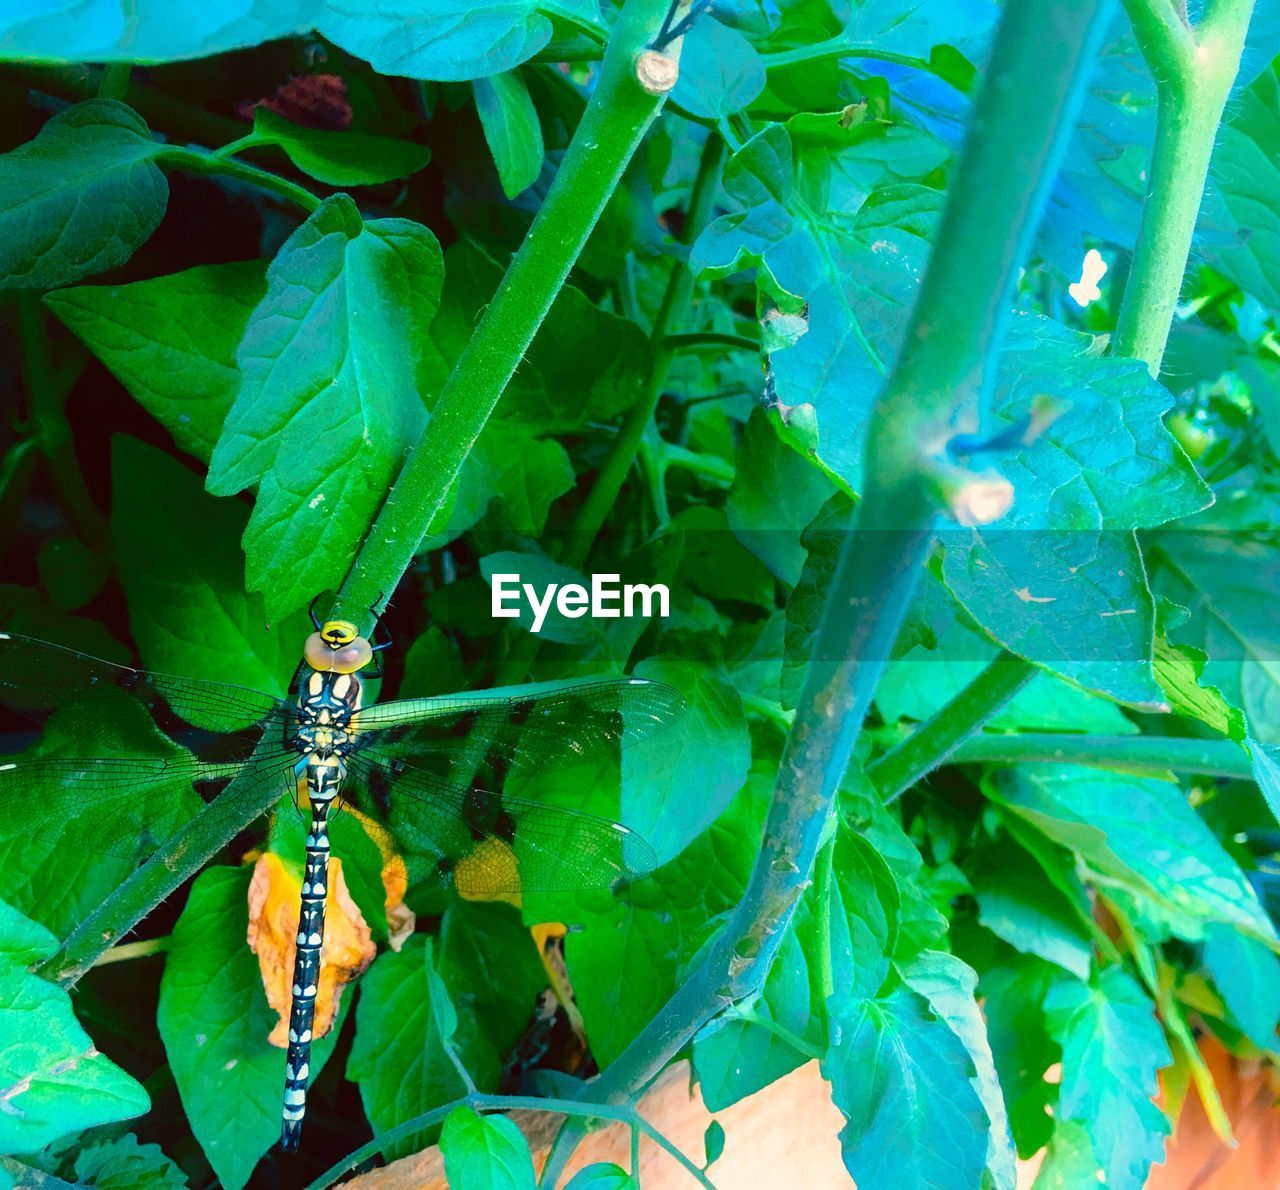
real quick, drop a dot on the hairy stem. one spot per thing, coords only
(1194, 69)
(938, 737)
(616, 119)
(943, 379)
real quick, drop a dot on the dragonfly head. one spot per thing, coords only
(337, 648)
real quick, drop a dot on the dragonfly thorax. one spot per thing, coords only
(326, 703)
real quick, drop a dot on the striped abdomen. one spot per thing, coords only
(323, 780)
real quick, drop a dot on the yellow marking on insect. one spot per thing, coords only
(339, 632)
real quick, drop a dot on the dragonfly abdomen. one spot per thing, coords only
(325, 708)
(306, 963)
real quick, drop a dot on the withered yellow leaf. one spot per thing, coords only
(274, 899)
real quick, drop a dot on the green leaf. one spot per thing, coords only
(565, 383)
(924, 680)
(347, 306)
(775, 492)
(1248, 977)
(1179, 669)
(713, 1143)
(214, 1020)
(624, 965)
(59, 878)
(708, 750)
(489, 963)
(1224, 579)
(1013, 994)
(188, 608)
(949, 986)
(80, 198)
(1076, 603)
(485, 1153)
(1112, 1046)
(53, 1080)
(151, 31)
(70, 571)
(904, 1082)
(124, 1164)
(1017, 903)
(339, 158)
(435, 39)
(1140, 834)
(1068, 1162)
(604, 1176)
(511, 128)
(720, 71)
(1246, 228)
(398, 1057)
(171, 342)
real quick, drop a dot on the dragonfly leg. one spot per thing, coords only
(306, 977)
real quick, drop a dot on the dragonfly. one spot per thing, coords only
(426, 770)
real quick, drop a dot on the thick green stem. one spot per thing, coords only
(1139, 753)
(611, 129)
(201, 161)
(1194, 69)
(938, 737)
(1026, 106)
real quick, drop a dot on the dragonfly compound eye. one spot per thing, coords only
(337, 657)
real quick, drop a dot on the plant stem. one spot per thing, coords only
(1139, 753)
(202, 161)
(250, 795)
(1025, 109)
(482, 1102)
(710, 339)
(673, 310)
(938, 737)
(1194, 69)
(134, 950)
(616, 119)
(836, 47)
(115, 80)
(52, 433)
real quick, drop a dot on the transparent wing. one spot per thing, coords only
(468, 737)
(37, 678)
(490, 844)
(130, 806)
(100, 758)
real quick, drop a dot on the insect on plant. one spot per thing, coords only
(411, 766)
